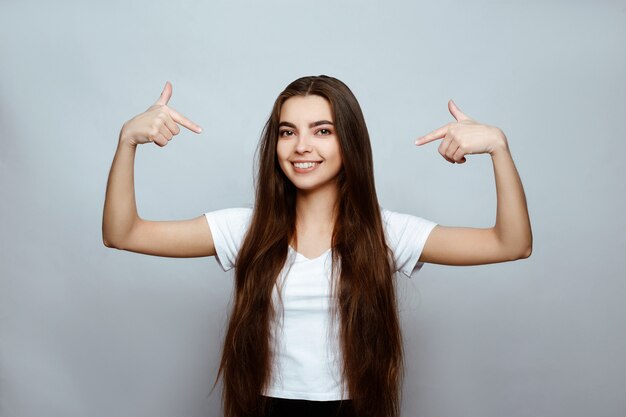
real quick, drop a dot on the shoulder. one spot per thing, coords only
(406, 236)
(405, 229)
(233, 211)
(228, 228)
(232, 214)
(229, 221)
(395, 222)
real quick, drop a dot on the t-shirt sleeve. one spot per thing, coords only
(406, 236)
(228, 228)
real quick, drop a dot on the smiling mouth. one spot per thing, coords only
(305, 166)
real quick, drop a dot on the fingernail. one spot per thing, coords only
(199, 129)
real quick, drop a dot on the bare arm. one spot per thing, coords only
(511, 237)
(120, 210)
(512, 220)
(122, 228)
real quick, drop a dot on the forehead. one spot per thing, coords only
(305, 108)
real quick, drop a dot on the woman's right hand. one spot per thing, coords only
(158, 124)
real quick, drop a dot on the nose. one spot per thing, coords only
(304, 144)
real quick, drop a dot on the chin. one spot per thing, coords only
(311, 186)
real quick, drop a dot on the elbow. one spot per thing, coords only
(529, 248)
(106, 235)
(527, 252)
(514, 255)
(107, 243)
(113, 239)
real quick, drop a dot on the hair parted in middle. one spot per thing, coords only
(364, 287)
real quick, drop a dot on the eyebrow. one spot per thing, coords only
(318, 123)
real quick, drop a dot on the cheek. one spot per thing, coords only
(281, 157)
(281, 152)
(336, 152)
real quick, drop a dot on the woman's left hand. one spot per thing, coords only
(463, 137)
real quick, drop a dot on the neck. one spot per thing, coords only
(316, 209)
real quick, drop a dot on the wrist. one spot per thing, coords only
(501, 144)
(126, 140)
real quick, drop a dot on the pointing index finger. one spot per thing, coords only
(435, 134)
(182, 120)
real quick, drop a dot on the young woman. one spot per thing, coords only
(314, 328)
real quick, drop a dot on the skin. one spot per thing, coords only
(299, 140)
(509, 239)
(304, 138)
(511, 236)
(122, 228)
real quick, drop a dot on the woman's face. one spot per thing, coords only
(308, 147)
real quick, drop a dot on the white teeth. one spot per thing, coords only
(304, 165)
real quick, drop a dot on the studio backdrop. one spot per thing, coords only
(86, 330)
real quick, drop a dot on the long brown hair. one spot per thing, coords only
(369, 329)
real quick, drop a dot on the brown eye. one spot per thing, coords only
(324, 131)
(283, 133)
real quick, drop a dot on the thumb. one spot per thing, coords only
(456, 112)
(166, 94)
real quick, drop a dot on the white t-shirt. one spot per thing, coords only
(307, 359)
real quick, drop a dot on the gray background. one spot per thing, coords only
(91, 331)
